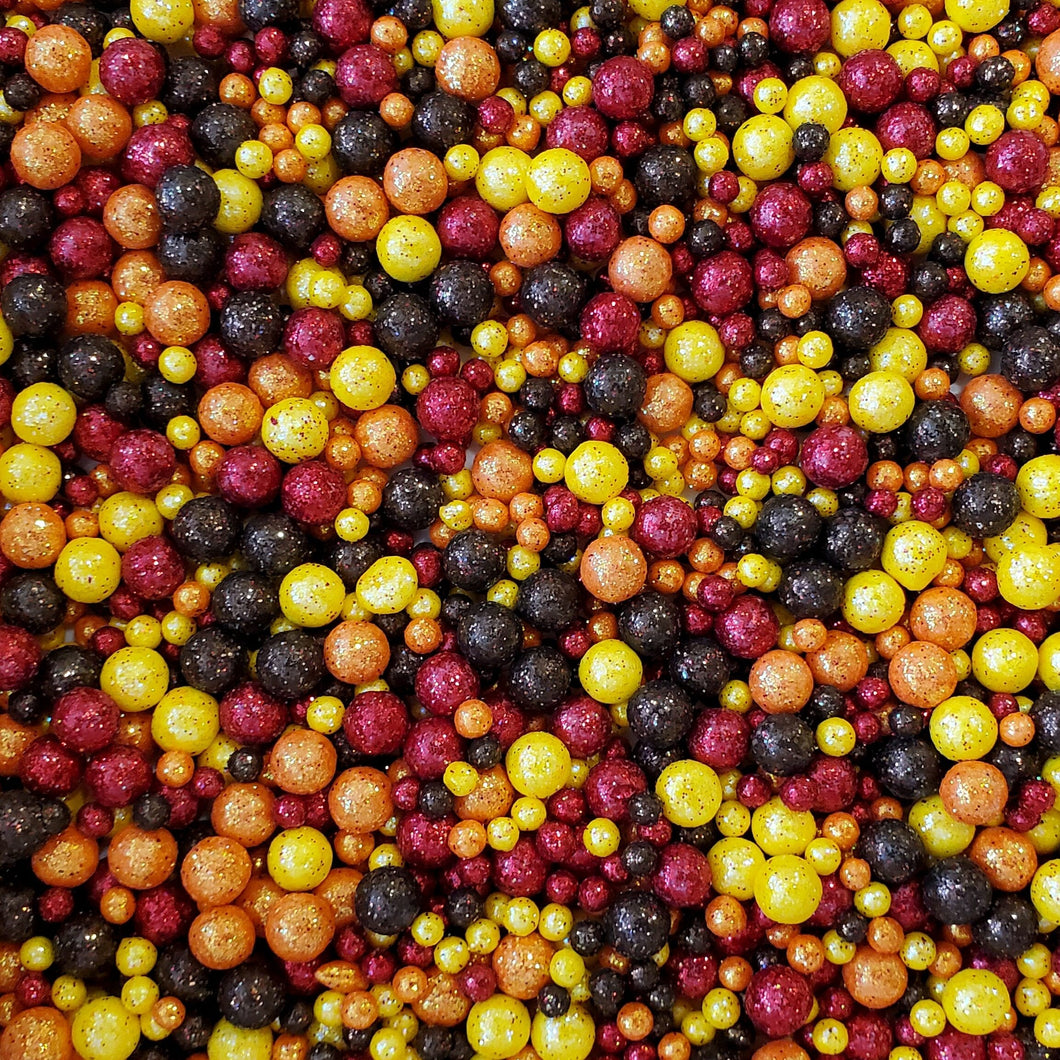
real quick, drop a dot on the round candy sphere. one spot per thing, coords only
(787, 889)
(976, 1001)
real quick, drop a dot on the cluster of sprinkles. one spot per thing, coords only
(530, 531)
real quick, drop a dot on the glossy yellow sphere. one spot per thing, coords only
(29, 473)
(816, 99)
(163, 21)
(1038, 483)
(872, 601)
(241, 201)
(294, 430)
(787, 889)
(881, 402)
(858, 25)
(1025, 530)
(501, 177)
(690, 792)
(997, 261)
(125, 518)
(595, 472)
(734, 865)
(538, 764)
(362, 378)
(778, 829)
(855, 156)
(792, 395)
(408, 248)
(300, 859)
(88, 570)
(1028, 577)
(977, 16)
(135, 678)
(610, 671)
(1045, 890)
(914, 554)
(762, 147)
(900, 351)
(962, 728)
(229, 1042)
(1004, 660)
(312, 595)
(558, 181)
(567, 1037)
(104, 1029)
(43, 414)
(498, 1027)
(1049, 662)
(976, 1001)
(387, 586)
(461, 18)
(693, 351)
(186, 720)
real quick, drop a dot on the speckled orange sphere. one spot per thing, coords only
(922, 674)
(942, 616)
(14, 739)
(969, 169)
(299, 926)
(131, 217)
(529, 236)
(992, 405)
(90, 306)
(258, 897)
(781, 1049)
(302, 761)
(230, 413)
(67, 859)
(1007, 857)
(275, 377)
(818, 265)
(468, 67)
(52, 107)
(37, 1034)
(842, 662)
(100, 125)
(974, 792)
(45, 155)
(177, 313)
(58, 58)
(136, 275)
(415, 181)
(140, 859)
(360, 801)
(780, 682)
(1047, 62)
(667, 404)
(223, 14)
(356, 652)
(875, 980)
(388, 436)
(492, 797)
(443, 1004)
(613, 568)
(215, 870)
(501, 470)
(32, 535)
(221, 937)
(640, 268)
(338, 890)
(243, 812)
(356, 208)
(521, 965)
